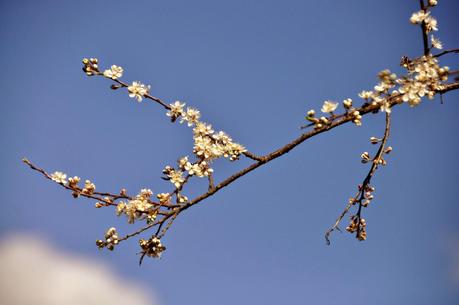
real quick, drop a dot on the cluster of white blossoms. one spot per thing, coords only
(136, 90)
(358, 224)
(91, 66)
(429, 21)
(365, 156)
(152, 247)
(329, 107)
(367, 195)
(72, 182)
(138, 208)
(208, 145)
(424, 79)
(111, 240)
(177, 110)
(381, 93)
(199, 169)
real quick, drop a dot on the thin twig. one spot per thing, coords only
(365, 183)
(360, 196)
(169, 224)
(446, 52)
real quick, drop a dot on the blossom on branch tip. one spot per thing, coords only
(90, 66)
(111, 240)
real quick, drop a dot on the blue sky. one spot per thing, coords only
(253, 68)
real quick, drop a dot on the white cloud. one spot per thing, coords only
(34, 273)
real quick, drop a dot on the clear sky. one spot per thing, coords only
(253, 68)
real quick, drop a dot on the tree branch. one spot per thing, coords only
(424, 30)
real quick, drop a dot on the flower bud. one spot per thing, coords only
(374, 140)
(347, 103)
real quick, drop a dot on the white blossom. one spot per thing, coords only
(419, 17)
(386, 107)
(431, 24)
(436, 43)
(191, 116)
(176, 110)
(138, 90)
(114, 72)
(89, 188)
(329, 106)
(176, 177)
(59, 177)
(366, 94)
